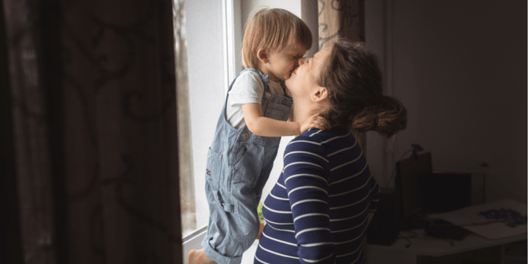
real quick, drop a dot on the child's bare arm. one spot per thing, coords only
(268, 127)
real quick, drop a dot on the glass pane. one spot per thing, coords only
(187, 196)
(202, 80)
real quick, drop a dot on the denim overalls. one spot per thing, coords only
(237, 169)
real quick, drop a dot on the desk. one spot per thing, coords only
(424, 246)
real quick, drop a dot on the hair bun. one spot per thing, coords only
(391, 117)
(386, 117)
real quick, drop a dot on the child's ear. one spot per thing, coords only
(320, 94)
(262, 55)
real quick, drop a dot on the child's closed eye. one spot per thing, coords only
(296, 65)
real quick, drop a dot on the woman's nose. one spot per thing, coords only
(302, 60)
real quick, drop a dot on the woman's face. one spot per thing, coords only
(303, 79)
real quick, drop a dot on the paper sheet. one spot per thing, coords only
(471, 214)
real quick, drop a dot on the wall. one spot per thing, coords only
(460, 68)
(248, 7)
(379, 150)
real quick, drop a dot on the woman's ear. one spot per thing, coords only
(320, 94)
(262, 55)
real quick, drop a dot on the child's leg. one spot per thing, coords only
(233, 225)
(199, 257)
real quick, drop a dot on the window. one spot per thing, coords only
(205, 62)
(208, 35)
(201, 71)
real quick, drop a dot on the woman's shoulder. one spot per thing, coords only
(324, 136)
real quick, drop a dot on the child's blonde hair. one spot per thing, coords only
(271, 29)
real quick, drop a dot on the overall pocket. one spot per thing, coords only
(247, 170)
(239, 153)
(214, 169)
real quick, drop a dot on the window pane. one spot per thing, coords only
(202, 80)
(185, 157)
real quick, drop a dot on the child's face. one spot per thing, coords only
(283, 62)
(305, 77)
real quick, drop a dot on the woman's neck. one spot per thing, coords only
(304, 109)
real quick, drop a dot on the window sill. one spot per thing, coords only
(194, 240)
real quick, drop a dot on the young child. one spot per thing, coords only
(248, 132)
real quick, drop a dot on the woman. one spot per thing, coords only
(320, 207)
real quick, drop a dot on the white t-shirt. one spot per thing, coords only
(247, 88)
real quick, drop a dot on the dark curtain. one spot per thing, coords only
(342, 19)
(88, 123)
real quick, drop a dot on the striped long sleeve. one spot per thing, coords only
(317, 212)
(307, 185)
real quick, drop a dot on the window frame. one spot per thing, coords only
(232, 11)
(232, 49)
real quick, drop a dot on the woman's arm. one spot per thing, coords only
(305, 172)
(268, 127)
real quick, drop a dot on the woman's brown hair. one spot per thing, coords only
(272, 29)
(353, 78)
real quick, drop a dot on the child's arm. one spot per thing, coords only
(268, 127)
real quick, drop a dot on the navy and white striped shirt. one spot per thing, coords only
(317, 212)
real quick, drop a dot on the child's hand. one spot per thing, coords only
(314, 121)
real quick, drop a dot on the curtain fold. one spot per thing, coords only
(342, 19)
(31, 156)
(92, 91)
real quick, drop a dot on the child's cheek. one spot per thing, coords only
(290, 67)
(288, 70)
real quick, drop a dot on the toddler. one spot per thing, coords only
(248, 131)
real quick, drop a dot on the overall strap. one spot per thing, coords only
(265, 79)
(284, 86)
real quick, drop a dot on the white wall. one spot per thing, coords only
(460, 67)
(248, 7)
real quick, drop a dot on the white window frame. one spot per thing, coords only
(233, 42)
